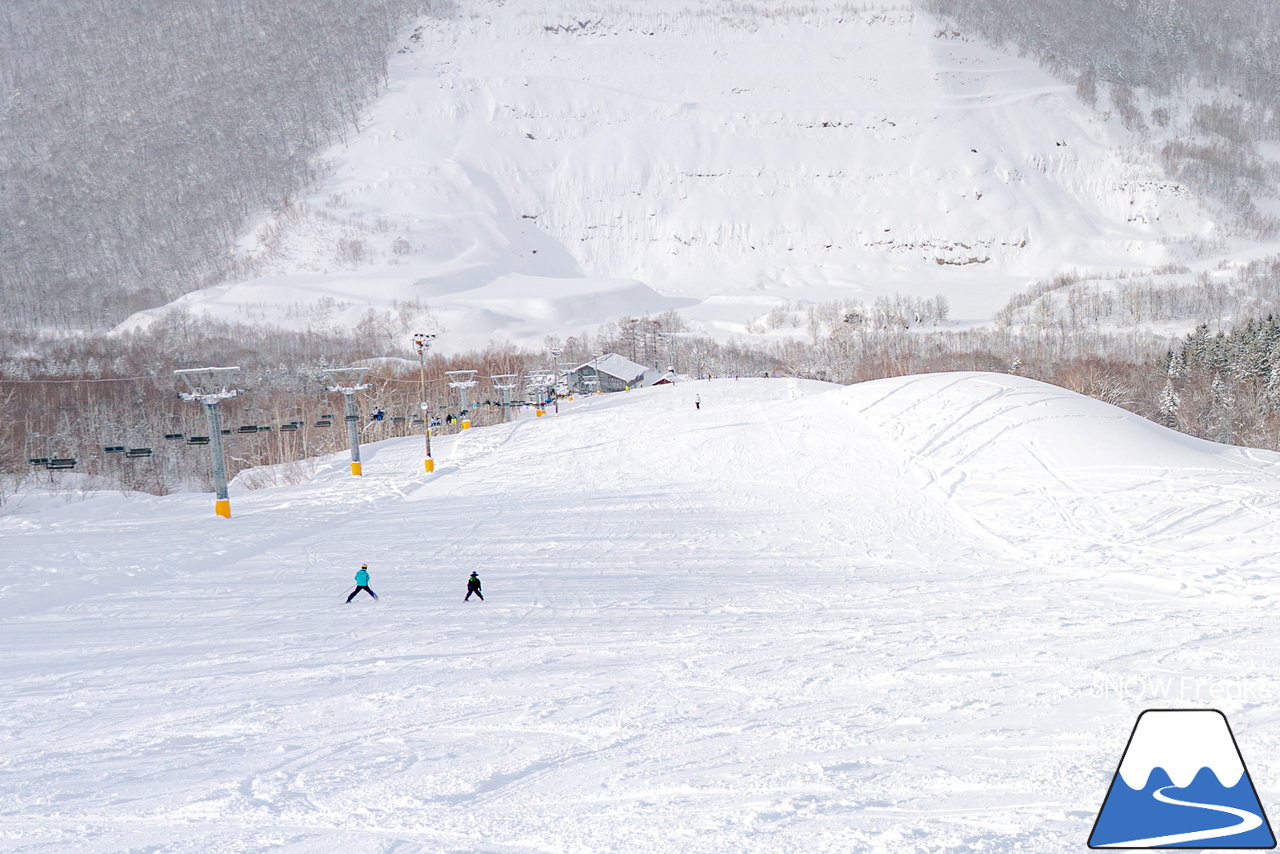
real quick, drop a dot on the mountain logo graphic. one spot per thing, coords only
(1181, 784)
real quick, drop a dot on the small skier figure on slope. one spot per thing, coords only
(697, 401)
(362, 583)
(473, 586)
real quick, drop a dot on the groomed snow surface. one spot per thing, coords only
(919, 614)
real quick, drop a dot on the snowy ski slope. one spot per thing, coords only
(540, 167)
(919, 614)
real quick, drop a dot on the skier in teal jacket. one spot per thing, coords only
(362, 583)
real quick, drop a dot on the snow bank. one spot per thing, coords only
(1042, 469)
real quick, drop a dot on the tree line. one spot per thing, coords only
(1200, 79)
(75, 396)
(136, 138)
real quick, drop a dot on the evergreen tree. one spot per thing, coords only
(1170, 400)
(1222, 402)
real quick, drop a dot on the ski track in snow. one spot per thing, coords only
(804, 618)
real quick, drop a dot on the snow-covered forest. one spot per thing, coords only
(137, 138)
(1201, 78)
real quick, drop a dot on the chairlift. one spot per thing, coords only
(61, 463)
(247, 428)
(324, 424)
(226, 432)
(134, 453)
(351, 419)
(197, 440)
(113, 449)
(172, 436)
(38, 461)
(264, 428)
(398, 419)
(288, 428)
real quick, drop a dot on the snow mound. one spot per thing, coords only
(1069, 478)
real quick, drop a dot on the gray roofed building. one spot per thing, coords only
(615, 373)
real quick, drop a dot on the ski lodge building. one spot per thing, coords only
(616, 373)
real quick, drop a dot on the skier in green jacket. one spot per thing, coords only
(362, 583)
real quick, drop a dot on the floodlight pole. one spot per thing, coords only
(211, 399)
(422, 343)
(349, 394)
(555, 378)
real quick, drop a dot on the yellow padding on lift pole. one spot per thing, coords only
(222, 506)
(429, 464)
(355, 469)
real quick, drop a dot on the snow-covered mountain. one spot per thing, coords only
(910, 615)
(541, 167)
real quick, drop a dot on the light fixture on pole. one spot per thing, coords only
(462, 380)
(211, 392)
(555, 377)
(422, 343)
(348, 381)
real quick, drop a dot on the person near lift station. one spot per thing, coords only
(362, 583)
(473, 586)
